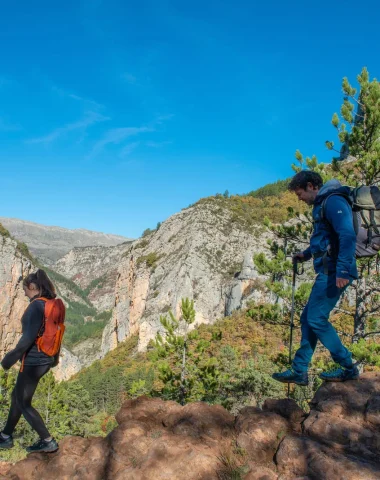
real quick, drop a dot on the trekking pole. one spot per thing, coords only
(295, 273)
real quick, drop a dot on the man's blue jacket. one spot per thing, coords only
(335, 232)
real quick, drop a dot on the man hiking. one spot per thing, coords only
(332, 246)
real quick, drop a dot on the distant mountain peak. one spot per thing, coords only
(49, 243)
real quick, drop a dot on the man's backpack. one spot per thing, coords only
(365, 204)
(50, 336)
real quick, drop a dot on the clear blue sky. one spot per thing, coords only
(116, 114)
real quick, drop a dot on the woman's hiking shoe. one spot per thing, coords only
(289, 376)
(341, 374)
(6, 443)
(43, 446)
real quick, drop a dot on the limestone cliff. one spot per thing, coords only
(194, 254)
(94, 269)
(69, 364)
(13, 267)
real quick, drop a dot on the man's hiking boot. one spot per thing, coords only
(6, 443)
(43, 446)
(341, 374)
(289, 376)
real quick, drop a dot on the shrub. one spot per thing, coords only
(150, 260)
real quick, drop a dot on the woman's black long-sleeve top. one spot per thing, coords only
(32, 321)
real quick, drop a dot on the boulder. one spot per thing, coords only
(287, 408)
(298, 456)
(259, 433)
(258, 472)
(150, 411)
(344, 435)
(201, 420)
(162, 440)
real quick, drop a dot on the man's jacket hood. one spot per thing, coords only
(329, 187)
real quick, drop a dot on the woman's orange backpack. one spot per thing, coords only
(49, 338)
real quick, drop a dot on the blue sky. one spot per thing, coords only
(115, 115)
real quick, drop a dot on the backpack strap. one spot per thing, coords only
(42, 328)
(44, 299)
(323, 207)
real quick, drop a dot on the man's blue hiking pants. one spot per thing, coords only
(315, 325)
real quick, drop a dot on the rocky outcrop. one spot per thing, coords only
(158, 439)
(51, 243)
(13, 267)
(68, 365)
(340, 437)
(87, 351)
(94, 269)
(194, 254)
(247, 285)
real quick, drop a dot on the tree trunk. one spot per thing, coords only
(360, 311)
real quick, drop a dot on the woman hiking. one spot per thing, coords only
(35, 364)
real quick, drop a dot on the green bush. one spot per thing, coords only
(4, 232)
(271, 189)
(144, 242)
(150, 260)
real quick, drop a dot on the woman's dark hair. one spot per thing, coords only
(42, 282)
(302, 178)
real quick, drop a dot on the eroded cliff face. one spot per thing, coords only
(13, 267)
(95, 269)
(194, 254)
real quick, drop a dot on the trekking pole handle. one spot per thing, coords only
(296, 270)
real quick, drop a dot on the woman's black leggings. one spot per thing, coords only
(22, 395)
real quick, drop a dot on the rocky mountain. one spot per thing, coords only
(94, 270)
(13, 267)
(197, 253)
(203, 252)
(49, 243)
(338, 439)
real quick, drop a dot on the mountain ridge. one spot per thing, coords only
(50, 243)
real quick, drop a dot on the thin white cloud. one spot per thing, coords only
(116, 136)
(64, 93)
(90, 118)
(128, 149)
(158, 144)
(162, 118)
(129, 78)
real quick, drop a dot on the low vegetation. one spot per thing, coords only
(150, 260)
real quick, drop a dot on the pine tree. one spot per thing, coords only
(186, 374)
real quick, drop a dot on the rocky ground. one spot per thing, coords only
(160, 440)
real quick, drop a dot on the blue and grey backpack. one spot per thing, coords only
(365, 204)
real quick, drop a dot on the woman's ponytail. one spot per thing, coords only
(42, 282)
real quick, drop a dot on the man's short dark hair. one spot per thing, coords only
(302, 178)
